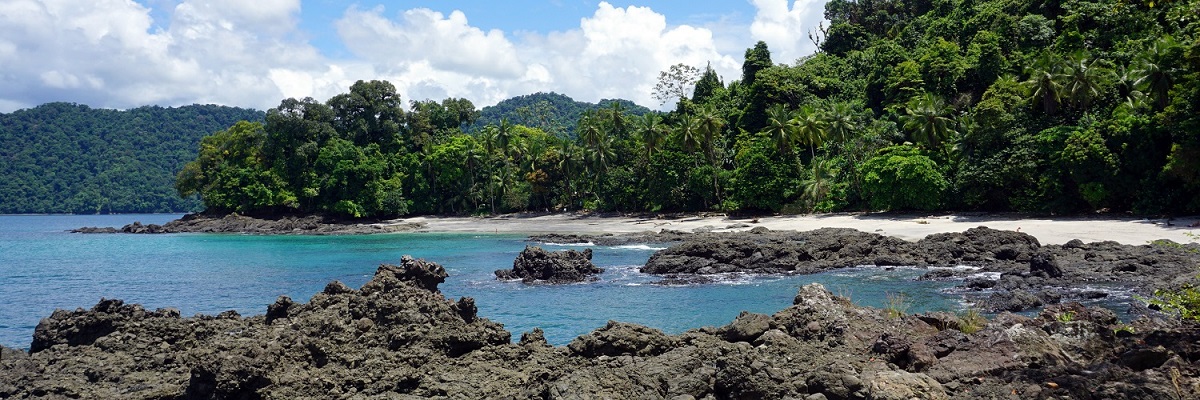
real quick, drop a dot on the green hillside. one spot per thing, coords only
(69, 158)
(1062, 106)
(551, 112)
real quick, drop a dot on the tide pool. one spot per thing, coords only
(43, 267)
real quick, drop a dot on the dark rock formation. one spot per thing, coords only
(397, 337)
(1031, 275)
(1044, 264)
(779, 252)
(95, 229)
(236, 223)
(535, 264)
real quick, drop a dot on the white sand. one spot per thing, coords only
(909, 227)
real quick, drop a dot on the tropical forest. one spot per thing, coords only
(1047, 107)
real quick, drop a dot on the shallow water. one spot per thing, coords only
(42, 267)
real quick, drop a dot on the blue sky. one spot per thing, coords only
(122, 53)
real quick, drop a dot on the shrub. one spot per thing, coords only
(901, 178)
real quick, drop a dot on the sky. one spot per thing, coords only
(255, 53)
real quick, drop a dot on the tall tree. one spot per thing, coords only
(1044, 83)
(1084, 79)
(651, 132)
(707, 86)
(840, 120)
(1155, 70)
(927, 118)
(675, 83)
(371, 113)
(757, 59)
(811, 127)
(780, 129)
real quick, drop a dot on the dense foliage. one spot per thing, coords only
(68, 158)
(1043, 106)
(551, 112)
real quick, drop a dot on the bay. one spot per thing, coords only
(43, 268)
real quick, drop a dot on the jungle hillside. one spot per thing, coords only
(995, 105)
(70, 158)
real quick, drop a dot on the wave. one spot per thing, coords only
(638, 247)
(580, 244)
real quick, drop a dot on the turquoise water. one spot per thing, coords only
(42, 267)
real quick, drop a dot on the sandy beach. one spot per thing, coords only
(1048, 230)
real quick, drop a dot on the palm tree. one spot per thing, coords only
(810, 127)
(688, 132)
(1154, 72)
(927, 118)
(780, 128)
(1084, 79)
(1044, 84)
(710, 127)
(589, 130)
(1127, 88)
(839, 120)
(817, 186)
(651, 130)
(616, 120)
(571, 158)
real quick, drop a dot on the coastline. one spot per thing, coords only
(910, 227)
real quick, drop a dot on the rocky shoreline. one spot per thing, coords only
(994, 269)
(272, 225)
(398, 337)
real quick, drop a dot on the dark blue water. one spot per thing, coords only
(42, 267)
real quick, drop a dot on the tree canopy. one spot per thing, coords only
(70, 158)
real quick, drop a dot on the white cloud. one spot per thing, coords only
(447, 43)
(616, 53)
(113, 53)
(785, 29)
(107, 53)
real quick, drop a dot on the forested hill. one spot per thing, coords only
(69, 158)
(551, 112)
(1060, 106)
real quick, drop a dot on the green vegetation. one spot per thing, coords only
(1065, 106)
(1184, 301)
(897, 305)
(1065, 317)
(971, 321)
(68, 158)
(551, 112)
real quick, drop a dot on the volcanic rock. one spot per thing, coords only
(535, 264)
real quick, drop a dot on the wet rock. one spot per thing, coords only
(138, 228)
(1044, 264)
(95, 229)
(537, 265)
(1012, 301)
(267, 224)
(426, 275)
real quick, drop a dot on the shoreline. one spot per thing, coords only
(910, 227)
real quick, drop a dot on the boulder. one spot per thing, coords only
(1013, 301)
(535, 264)
(1044, 264)
(619, 338)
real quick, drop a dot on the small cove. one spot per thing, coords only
(42, 267)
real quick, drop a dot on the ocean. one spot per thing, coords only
(43, 267)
